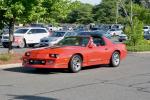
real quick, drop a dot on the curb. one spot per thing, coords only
(10, 65)
(146, 52)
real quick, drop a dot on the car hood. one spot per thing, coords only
(56, 49)
(17, 35)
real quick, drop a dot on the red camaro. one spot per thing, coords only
(76, 52)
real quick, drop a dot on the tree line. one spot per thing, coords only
(67, 11)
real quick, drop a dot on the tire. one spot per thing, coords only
(22, 44)
(115, 59)
(31, 45)
(75, 64)
(5, 45)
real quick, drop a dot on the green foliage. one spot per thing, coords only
(138, 48)
(5, 57)
(135, 32)
(105, 12)
(82, 14)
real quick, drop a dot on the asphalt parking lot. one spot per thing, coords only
(129, 81)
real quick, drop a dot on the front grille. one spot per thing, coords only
(5, 37)
(37, 62)
(44, 40)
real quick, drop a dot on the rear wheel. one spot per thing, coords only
(75, 64)
(115, 59)
(22, 44)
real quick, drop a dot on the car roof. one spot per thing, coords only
(32, 28)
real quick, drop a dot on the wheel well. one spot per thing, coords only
(117, 51)
(79, 55)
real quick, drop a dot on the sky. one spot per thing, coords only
(93, 2)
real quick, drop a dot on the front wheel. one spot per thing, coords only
(75, 64)
(115, 59)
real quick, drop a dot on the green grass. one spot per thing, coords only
(139, 48)
(5, 57)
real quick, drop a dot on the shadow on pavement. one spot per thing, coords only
(35, 71)
(30, 97)
(49, 71)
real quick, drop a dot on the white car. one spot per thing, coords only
(122, 37)
(26, 36)
(56, 37)
(115, 32)
(146, 28)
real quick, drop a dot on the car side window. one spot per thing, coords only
(41, 31)
(99, 41)
(85, 41)
(37, 31)
(32, 31)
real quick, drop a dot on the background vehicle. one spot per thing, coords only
(30, 36)
(76, 52)
(114, 32)
(98, 32)
(146, 28)
(122, 37)
(55, 38)
(147, 35)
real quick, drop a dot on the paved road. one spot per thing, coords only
(129, 81)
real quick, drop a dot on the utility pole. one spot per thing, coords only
(117, 12)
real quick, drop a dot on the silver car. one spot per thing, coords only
(55, 38)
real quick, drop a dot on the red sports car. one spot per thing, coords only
(76, 52)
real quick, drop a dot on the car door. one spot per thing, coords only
(31, 36)
(99, 54)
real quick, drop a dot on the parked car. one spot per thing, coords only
(106, 34)
(146, 28)
(55, 38)
(30, 36)
(76, 52)
(147, 35)
(115, 32)
(122, 37)
(84, 33)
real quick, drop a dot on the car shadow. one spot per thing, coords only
(49, 71)
(30, 97)
(35, 71)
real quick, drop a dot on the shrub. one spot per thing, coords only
(135, 33)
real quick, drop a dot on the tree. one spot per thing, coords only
(136, 34)
(56, 10)
(105, 12)
(82, 14)
(19, 10)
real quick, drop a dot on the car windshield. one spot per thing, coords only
(58, 34)
(74, 41)
(21, 31)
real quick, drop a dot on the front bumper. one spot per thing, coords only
(47, 64)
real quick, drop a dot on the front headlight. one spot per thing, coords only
(27, 54)
(54, 55)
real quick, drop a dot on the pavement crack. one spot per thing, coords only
(8, 85)
(77, 86)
